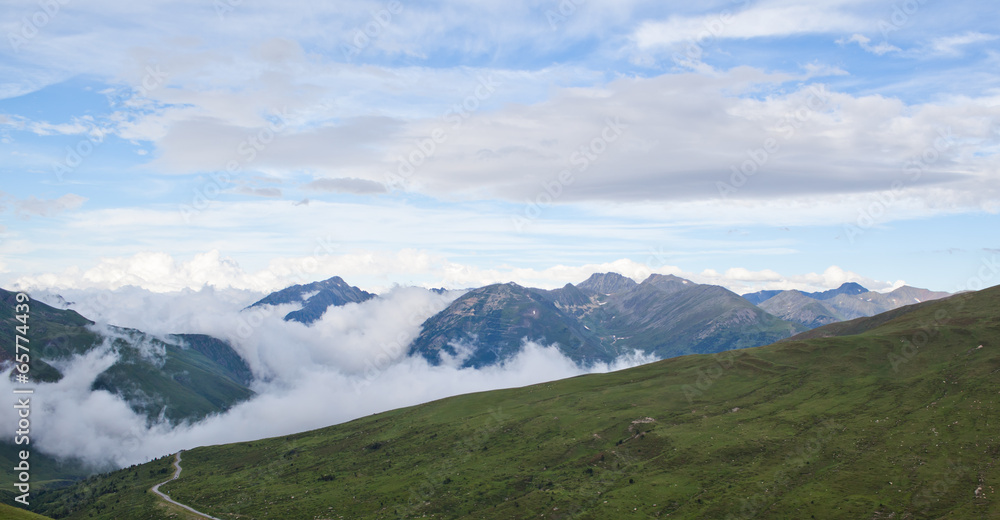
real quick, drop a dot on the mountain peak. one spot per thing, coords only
(493, 320)
(667, 282)
(848, 288)
(606, 283)
(315, 298)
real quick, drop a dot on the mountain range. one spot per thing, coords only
(879, 417)
(188, 376)
(849, 288)
(609, 314)
(847, 302)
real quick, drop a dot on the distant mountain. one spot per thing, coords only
(486, 326)
(315, 298)
(184, 377)
(759, 297)
(601, 318)
(607, 283)
(800, 308)
(872, 303)
(670, 316)
(845, 304)
(849, 288)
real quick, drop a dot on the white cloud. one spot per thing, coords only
(78, 126)
(35, 207)
(258, 192)
(347, 185)
(742, 281)
(953, 45)
(353, 121)
(158, 272)
(865, 43)
(144, 279)
(680, 147)
(355, 352)
(765, 19)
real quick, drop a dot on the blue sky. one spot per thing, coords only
(752, 144)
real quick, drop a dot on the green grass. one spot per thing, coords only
(13, 513)
(898, 421)
(123, 494)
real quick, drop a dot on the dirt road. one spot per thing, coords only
(177, 473)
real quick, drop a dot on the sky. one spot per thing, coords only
(250, 145)
(165, 164)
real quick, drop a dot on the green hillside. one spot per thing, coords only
(12, 513)
(186, 377)
(898, 420)
(121, 495)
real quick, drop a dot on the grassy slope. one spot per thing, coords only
(12, 513)
(119, 495)
(52, 333)
(188, 385)
(899, 420)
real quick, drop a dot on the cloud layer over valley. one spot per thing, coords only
(349, 364)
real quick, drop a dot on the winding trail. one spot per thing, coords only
(177, 473)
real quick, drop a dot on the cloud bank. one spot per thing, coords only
(349, 364)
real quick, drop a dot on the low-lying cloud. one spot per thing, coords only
(349, 364)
